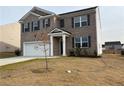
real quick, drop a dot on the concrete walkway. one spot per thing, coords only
(12, 60)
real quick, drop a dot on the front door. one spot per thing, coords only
(61, 46)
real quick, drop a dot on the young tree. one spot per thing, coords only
(42, 36)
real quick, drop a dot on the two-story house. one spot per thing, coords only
(59, 33)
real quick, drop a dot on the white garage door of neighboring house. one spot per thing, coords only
(35, 49)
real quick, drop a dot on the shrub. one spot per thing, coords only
(71, 52)
(77, 52)
(95, 53)
(122, 52)
(17, 52)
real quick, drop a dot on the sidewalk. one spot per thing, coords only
(12, 60)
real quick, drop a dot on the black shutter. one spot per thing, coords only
(22, 27)
(89, 41)
(43, 23)
(88, 19)
(32, 26)
(38, 22)
(72, 22)
(62, 23)
(49, 22)
(72, 42)
(28, 26)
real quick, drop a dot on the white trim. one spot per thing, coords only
(29, 42)
(43, 10)
(39, 9)
(47, 16)
(59, 33)
(27, 14)
(98, 33)
(35, 14)
(64, 44)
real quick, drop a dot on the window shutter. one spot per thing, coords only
(38, 25)
(28, 26)
(49, 22)
(62, 23)
(72, 42)
(72, 22)
(43, 23)
(89, 41)
(32, 26)
(22, 27)
(88, 19)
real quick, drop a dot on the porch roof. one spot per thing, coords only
(59, 32)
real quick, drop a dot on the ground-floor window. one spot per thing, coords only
(80, 42)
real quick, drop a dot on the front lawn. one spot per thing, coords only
(108, 70)
(7, 54)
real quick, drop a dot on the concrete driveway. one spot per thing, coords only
(12, 60)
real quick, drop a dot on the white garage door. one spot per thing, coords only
(35, 49)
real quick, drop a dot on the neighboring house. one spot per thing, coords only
(62, 32)
(116, 45)
(10, 37)
(122, 46)
(113, 46)
(103, 47)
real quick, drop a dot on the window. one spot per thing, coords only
(62, 23)
(77, 42)
(85, 42)
(36, 25)
(84, 21)
(81, 42)
(81, 21)
(26, 27)
(47, 22)
(77, 21)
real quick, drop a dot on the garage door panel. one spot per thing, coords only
(36, 49)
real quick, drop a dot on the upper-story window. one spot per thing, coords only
(77, 22)
(81, 42)
(26, 27)
(84, 20)
(36, 25)
(81, 21)
(46, 22)
(61, 22)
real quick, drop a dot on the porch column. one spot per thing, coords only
(51, 45)
(64, 44)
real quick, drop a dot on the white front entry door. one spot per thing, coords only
(35, 49)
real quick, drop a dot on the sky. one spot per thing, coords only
(112, 18)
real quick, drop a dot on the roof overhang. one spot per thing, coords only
(36, 14)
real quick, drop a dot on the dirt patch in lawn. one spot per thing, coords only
(108, 70)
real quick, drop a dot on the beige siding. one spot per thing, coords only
(9, 37)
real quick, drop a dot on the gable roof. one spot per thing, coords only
(59, 31)
(113, 43)
(37, 12)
